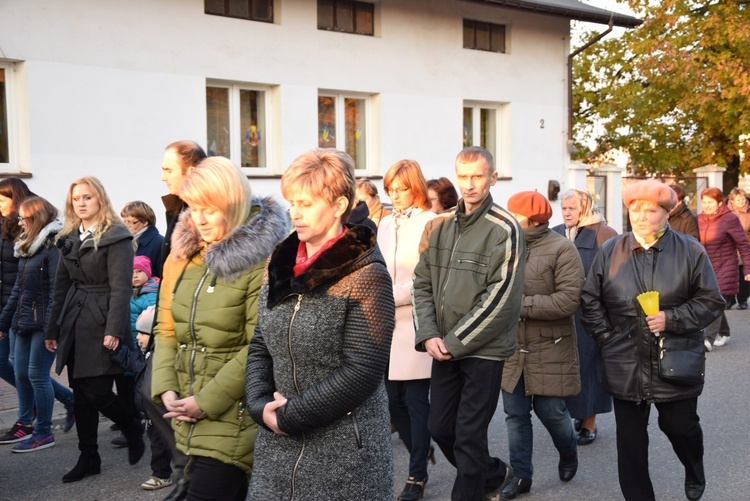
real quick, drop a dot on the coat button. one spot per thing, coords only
(79, 304)
(77, 264)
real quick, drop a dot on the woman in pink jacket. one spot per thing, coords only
(408, 378)
(722, 235)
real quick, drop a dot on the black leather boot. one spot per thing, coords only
(132, 428)
(88, 464)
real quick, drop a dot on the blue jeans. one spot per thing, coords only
(6, 366)
(34, 385)
(409, 405)
(553, 414)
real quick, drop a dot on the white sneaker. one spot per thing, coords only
(155, 483)
(721, 340)
(708, 345)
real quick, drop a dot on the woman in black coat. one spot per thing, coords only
(91, 317)
(586, 228)
(652, 257)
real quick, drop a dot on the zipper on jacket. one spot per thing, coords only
(191, 329)
(296, 388)
(450, 268)
(469, 261)
(20, 295)
(356, 429)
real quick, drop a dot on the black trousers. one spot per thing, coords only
(680, 423)
(464, 398)
(744, 292)
(93, 395)
(212, 480)
(162, 427)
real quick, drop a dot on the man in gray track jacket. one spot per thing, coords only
(467, 299)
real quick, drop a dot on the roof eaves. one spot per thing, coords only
(572, 9)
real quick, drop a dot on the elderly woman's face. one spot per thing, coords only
(315, 220)
(739, 201)
(210, 222)
(710, 206)
(647, 218)
(571, 211)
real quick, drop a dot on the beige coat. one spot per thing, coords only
(400, 248)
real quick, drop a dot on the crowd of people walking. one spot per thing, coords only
(272, 353)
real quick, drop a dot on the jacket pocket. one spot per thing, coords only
(355, 426)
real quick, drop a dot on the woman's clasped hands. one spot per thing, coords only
(182, 409)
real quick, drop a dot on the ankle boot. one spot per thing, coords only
(88, 464)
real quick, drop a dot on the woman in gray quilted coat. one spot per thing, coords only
(316, 364)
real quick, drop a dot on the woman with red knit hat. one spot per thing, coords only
(544, 368)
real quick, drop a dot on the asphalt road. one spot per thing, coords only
(723, 407)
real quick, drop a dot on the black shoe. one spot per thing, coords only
(120, 441)
(694, 490)
(497, 494)
(89, 464)
(577, 425)
(180, 490)
(516, 486)
(585, 437)
(568, 466)
(413, 490)
(742, 305)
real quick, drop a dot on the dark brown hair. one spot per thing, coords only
(190, 153)
(16, 190)
(39, 213)
(446, 192)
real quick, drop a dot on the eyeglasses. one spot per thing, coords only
(132, 222)
(397, 191)
(22, 219)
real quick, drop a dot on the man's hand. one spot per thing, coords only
(437, 349)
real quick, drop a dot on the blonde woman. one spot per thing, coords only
(316, 364)
(206, 317)
(408, 378)
(91, 317)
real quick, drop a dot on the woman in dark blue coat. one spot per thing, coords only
(140, 219)
(586, 228)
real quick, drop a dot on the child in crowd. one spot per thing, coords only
(135, 362)
(145, 290)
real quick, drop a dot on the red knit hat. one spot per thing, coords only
(142, 263)
(650, 190)
(531, 204)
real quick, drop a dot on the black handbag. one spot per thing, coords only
(682, 360)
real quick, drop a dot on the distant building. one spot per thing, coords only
(102, 87)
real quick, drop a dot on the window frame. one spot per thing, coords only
(13, 164)
(355, 4)
(500, 147)
(503, 49)
(250, 11)
(235, 122)
(370, 141)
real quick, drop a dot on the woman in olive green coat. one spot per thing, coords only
(206, 318)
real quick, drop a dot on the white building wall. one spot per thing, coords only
(106, 85)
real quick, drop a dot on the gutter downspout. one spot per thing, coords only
(570, 79)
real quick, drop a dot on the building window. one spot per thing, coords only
(481, 127)
(346, 16)
(8, 162)
(342, 124)
(484, 36)
(237, 124)
(253, 10)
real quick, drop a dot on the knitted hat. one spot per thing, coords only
(142, 263)
(650, 190)
(145, 320)
(531, 204)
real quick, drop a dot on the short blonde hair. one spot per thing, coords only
(104, 218)
(218, 184)
(409, 173)
(323, 172)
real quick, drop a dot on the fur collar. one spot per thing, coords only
(244, 247)
(357, 248)
(44, 238)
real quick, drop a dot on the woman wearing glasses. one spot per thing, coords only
(408, 376)
(140, 219)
